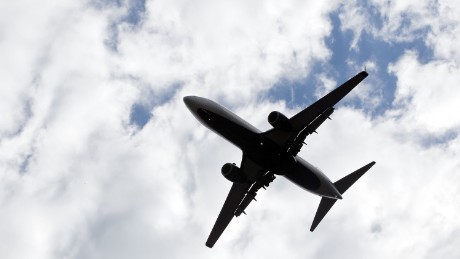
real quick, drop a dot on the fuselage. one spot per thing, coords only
(259, 149)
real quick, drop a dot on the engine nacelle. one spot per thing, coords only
(233, 173)
(279, 121)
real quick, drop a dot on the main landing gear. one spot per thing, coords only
(262, 182)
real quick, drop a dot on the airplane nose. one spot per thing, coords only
(188, 100)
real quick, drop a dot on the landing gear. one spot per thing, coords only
(267, 179)
(262, 182)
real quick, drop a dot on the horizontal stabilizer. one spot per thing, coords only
(342, 185)
(324, 206)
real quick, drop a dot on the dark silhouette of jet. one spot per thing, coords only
(274, 152)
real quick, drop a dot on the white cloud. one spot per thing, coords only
(391, 21)
(428, 93)
(354, 18)
(91, 185)
(26, 35)
(225, 49)
(326, 85)
(94, 187)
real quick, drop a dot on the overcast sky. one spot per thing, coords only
(99, 157)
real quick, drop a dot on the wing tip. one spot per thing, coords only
(363, 73)
(208, 244)
(368, 166)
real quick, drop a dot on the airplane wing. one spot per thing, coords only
(306, 121)
(234, 198)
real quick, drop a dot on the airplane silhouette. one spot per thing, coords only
(274, 152)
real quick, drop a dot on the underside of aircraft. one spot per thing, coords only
(274, 152)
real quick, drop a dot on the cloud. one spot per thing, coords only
(428, 93)
(389, 21)
(91, 184)
(210, 45)
(79, 180)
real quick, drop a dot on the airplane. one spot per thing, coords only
(273, 152)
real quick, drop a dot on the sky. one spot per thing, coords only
(100, 158)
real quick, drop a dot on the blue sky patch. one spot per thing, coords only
(140, 115)
(136, 10)
(345, 63)
(134, 14)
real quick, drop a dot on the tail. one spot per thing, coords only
(342, 185)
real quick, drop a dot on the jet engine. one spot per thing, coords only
(279, 121)
(233, 173)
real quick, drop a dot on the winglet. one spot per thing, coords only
(342, 185)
